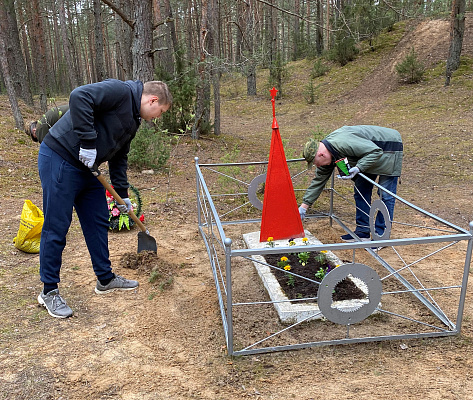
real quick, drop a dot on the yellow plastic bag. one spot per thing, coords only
(29, 233)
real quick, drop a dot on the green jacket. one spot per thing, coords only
(48, 120)
(373, 149)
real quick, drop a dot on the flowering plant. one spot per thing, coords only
(283, 262)
(118, 220)
(322, 259)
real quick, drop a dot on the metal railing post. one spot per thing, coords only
(466, 272)
(228, 278)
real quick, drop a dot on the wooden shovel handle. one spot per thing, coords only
(112, 191)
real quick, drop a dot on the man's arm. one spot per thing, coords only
(322, 175)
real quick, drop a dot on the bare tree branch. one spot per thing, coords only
(285, 11)
(278, 8)
(125, 18)
(396, 10)
(167, 20)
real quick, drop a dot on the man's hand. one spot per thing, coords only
(87, 157)
(125, 208)
(302, 212)
(351, 173)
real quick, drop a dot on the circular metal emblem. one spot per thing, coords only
(348, 312)
(379, 206)
(253, 188)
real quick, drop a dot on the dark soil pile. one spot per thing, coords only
(302, 288)
(144, 260)
(161, 272)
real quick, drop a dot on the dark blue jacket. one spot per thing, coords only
(104, 116)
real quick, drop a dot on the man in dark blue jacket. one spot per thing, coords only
(101, 122)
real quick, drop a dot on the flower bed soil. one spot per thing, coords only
(302, 288)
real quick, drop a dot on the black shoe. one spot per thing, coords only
(364, 237)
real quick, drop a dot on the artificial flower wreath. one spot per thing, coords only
(118, 220)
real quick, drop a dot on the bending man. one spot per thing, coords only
(38, 129)
(373, 150)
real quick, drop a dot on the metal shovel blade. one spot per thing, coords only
(146, 243)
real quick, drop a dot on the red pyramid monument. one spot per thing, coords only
(280, 219)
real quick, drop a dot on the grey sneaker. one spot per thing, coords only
(55, 304)
(117, 283)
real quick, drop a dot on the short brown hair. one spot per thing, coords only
(160, 89)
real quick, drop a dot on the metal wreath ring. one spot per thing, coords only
(252, 189)
(379, 206)
(357, 311)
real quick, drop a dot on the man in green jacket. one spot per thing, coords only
(37, 130)
(373, 150)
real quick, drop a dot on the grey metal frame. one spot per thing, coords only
(221, 253)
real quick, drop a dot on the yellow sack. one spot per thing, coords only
(29, 233)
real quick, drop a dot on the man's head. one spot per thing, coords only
(323, 156)
(155, 100)
(31, 130)
(318, 155)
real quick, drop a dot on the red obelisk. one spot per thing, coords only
(280, 219)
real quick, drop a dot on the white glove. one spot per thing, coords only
(351, 173)
(125, 208)
(302, 212)
(87, 157)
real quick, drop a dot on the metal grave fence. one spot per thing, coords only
(414, 285)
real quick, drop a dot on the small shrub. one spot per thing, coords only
(344, 51)
(310, 92)
(318, 134)
(319, 69)
(411, 70)
(278, 74)
(150, 149)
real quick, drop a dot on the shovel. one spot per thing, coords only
(145, 241)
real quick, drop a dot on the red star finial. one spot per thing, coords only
(273, 92)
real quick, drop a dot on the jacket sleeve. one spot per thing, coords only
(87, 101)
(363, 150)
(322, 175)
(117, 167)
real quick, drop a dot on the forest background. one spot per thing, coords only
(49, 47)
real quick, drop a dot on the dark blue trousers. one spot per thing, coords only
(362, 196)
(66, 187)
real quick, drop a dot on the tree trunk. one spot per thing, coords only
(200, 90)
(327, 26)
(9, 85)
(24, 41)
(72, 76)
(457, 30)
(16, 62)
(319, 36)
(79, 67)
(39, 51)
(214, 45)
(98, 39)
(297, 33)
(143, 66)
(123, 32)
(173, 36)
(250, 34)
